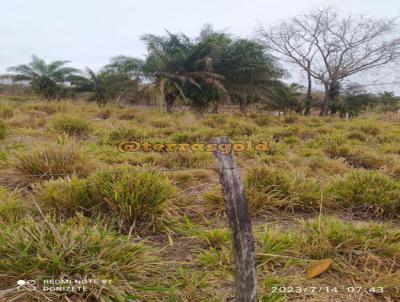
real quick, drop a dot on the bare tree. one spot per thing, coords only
(331, 47)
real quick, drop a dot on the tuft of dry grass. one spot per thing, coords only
(366, 192)
(73, 126)
(6, 112)
(134, 199)
(12, 206)
(269, 189)
(51, 162)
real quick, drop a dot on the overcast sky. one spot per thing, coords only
(90, 32)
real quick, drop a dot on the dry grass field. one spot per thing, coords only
(153, 225)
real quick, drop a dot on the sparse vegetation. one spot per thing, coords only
(72, 250)
(152, 222)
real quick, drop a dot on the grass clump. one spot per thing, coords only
(337, 146)
(364, 158)
(236, 129)
(269, 188)
(51, 162)
(121, 134)
(6, 112)
(366, 192)
(137, 199)
(369, 128)
(50, 109)
(186, 159)
(128, 114)
(73, 250)
(2, 130)
(12, 206)
(70, 125)
(134, 200)
(104, 114)
(65, 196)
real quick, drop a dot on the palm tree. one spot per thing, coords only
(250, 73)
(105, 85)
(174, 64)
(46, 79)
(286, 97)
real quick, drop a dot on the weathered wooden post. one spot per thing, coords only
(240, 223)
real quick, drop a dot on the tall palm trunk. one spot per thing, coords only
(169, 101)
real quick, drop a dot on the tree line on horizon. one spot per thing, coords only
(216, 67)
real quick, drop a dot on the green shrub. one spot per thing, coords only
(70, 125)
(366, 192)
(269, 189)
(73, 250)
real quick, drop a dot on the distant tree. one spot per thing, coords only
(46, 79)
(286, 98)
(248, 70)
(387, 101)
(174, 64)
(330, 47)
(199, 71)
(104, 85)
(354, 103)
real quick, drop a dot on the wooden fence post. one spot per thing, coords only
(240, 223)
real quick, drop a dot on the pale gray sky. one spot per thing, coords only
(90, 32)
